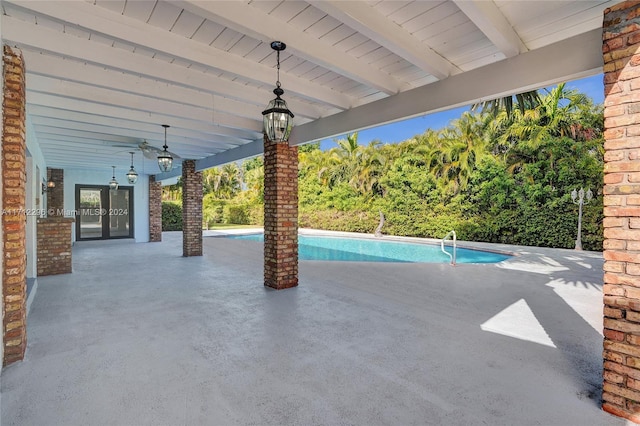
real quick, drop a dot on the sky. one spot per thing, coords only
(403, 130)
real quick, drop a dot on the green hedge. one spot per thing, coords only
(231, 212)
(171, 216)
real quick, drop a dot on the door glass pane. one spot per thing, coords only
(119, 213)
(90, 216)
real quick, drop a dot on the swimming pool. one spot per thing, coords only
(369, 250)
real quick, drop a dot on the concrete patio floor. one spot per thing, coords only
(139, 335)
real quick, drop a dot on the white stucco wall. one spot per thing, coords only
(102, 177)
(1, 206)
(36, 202)
(34, 149)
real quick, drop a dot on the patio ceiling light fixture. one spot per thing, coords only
(277, 119)
(132, 175)
(113, 183)
(165, 160)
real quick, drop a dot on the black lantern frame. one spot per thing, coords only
(165, 159)
(277, 119)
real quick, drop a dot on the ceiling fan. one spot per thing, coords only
(148, 151)
(151, 152)
(165, 158)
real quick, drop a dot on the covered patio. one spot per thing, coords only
(88, 88)
(171, 340)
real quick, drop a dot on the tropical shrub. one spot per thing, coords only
(171, 216)
(496, 177)
(237, 214)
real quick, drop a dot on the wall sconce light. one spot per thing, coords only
(277, 119)
(47, 186)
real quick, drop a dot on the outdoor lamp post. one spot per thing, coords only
(578, 198)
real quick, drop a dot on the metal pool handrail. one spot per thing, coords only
(452, 257)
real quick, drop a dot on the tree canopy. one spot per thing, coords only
(499, 174)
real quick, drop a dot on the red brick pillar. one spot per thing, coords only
(14, 276)
(621, 49)
(191, 209)
(280, 215)
(155, 210)
(54, 245)
(55, 195)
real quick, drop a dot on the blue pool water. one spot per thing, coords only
(367, 250)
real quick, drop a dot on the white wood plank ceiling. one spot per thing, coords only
(104, 75)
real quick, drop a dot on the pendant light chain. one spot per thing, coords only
(278, 69)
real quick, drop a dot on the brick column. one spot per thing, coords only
(54, 245)
(280, 215)
(55, 195)
(155, 210)
(14, 276)
(191, 209)
(621, 49)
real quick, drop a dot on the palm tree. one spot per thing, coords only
(368, 168)
(320, 163)
(254, 181)
(211, 179)
(460, 148)
(253, 176)
(558, 115)
(172, 192)
(555, 116)
(344, 158)
(523, 101)
(349, 147)
(223, 182)
(231, 183)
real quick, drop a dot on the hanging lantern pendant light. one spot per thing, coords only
(277, 119)
(113, 183)
(165, 160)
(132, 175)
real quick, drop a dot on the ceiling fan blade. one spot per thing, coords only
(151, 155)
(148, 150)
(154, 151)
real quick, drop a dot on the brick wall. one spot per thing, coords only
(280, 215)
(621, 50)
(54, 245)
(155, 210)
(191, 209)
(55, 195)
(14, 277)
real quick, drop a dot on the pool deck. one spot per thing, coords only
(139, 335)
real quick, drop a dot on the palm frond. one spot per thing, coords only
(524, 101)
